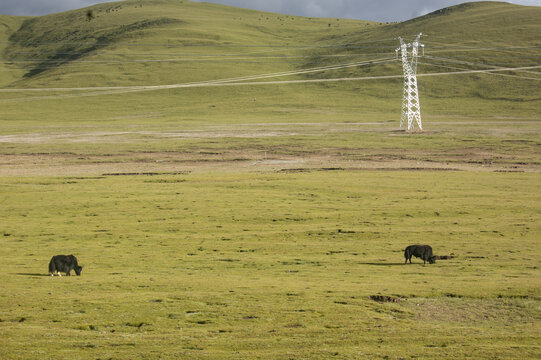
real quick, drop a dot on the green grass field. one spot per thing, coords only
(272, 265)
(268, 221)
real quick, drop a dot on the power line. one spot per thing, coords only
(471, 63)
(491, 73)
(129, 89)
(244, 78)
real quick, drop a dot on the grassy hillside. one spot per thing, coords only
(167, 42)
(8, 72)
(480, 35)
(135, 43)
(157, 42)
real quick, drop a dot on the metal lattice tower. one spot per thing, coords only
(411, 108)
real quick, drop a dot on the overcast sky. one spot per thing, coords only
(377, 10)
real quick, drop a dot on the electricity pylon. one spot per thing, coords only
(411, 108)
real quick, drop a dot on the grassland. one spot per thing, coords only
(259, 221)
(272, 265)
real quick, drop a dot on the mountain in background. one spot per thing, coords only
(162, 42)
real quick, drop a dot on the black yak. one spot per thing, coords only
(421, 251)
(64, 263)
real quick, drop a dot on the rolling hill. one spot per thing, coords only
(166, 42)
(156, 42)
(191, 62)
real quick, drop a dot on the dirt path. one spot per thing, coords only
(67, 165)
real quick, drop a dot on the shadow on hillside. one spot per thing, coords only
(32, 274)
(381, 263)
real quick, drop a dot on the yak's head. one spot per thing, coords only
(432, 260)
(78, 270)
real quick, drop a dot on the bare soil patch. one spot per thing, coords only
(385, 298)
(71, 165)
(250, 155)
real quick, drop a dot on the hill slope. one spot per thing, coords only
(134, 43)
(161, 42)
(8, 26)
(470, 36)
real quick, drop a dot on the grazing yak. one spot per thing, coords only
(421, 251)
(64, 263)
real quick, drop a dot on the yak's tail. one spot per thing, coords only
(52, 267)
